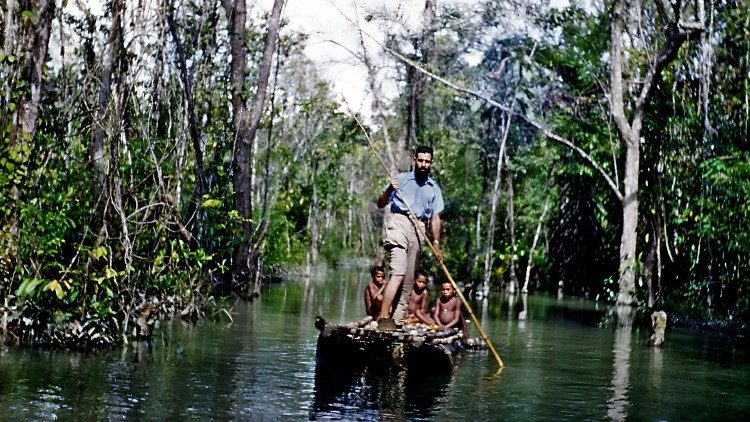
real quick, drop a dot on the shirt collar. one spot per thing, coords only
(413, 176)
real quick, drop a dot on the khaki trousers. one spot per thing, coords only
(403, 243)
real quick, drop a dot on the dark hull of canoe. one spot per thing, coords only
(345, 347)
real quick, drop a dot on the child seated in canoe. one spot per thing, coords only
(374, 292)
(415, 312)
(447, 313)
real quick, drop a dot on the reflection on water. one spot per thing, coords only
(387, 394)
(262, 366)
(618, 404)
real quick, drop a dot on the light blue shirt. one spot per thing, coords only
(425, 200)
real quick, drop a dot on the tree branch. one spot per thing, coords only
(674, 40)
(548, 133)
(617, 104)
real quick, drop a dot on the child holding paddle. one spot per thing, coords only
(374, 292)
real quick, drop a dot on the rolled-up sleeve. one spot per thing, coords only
(438, 205)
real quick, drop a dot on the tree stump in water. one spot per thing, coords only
(658, 326)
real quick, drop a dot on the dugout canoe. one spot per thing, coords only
(413, 347)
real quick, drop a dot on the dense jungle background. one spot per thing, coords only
(159, 156)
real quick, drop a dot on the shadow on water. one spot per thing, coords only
(376, 393)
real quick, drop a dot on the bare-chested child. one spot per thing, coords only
(374, 292)
(415, 312)
(447, 313)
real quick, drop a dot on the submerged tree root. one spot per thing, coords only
(33, 325)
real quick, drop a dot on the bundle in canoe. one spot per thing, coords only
(413, 347)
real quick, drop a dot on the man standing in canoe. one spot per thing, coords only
(402, 239)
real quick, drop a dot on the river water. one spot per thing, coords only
(560, 365)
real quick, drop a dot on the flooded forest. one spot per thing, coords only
(160, 159)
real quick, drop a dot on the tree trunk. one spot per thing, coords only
(658, 259)
(625, 295)
(9, 30)
(505, 130)
(114, 211)
(105, 90)
(469, 245)
(649, 262)
(312, 219)
(236, 16)
(417, 81)
(196, 136)
(265, 205)
(676, 32)
(349, 214)
(34, 43)
(491, 225)
(107, 125)
(245, 122)
(513, 278)
(533, 244)
(475, 255)
(413, 105)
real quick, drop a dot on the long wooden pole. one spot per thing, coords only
(421, 230)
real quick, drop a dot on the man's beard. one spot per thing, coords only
(421, 173)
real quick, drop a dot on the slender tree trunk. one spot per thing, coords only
(505, 130)
(478, 227)
(413, 105)
(245, 123)
(488, 258)
(658, 260)
(349, 213)
(117, 217)
(475, 254)
(513, 278)
(707, 62)
(534, 242)
(106, 122)
(312, 220)
(365, 228)
(418, 81)
(648, 265)
(105, 90)
(469, 245)
(196, 136)
(265, 205)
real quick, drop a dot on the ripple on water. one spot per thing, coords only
(43, 404)
(262, 367)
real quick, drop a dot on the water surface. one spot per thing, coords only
(560, 365)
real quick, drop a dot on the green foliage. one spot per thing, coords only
(574, 50)
(284, 245)
(89, 255)
(697, 174)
